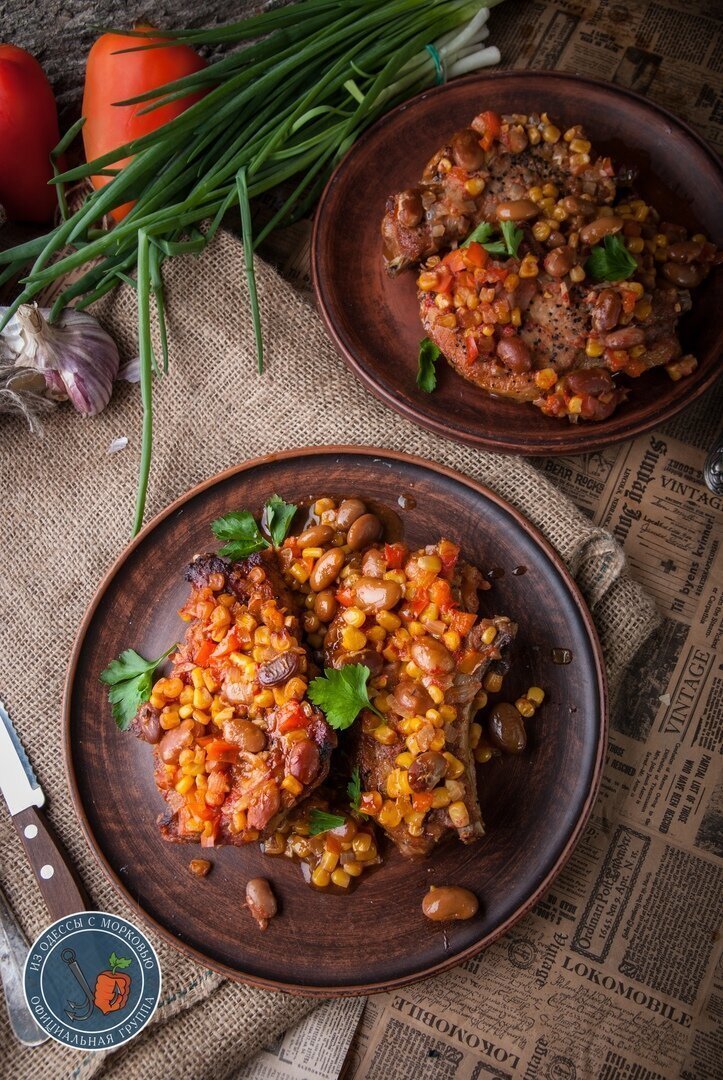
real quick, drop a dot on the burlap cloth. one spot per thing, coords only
(67, 507)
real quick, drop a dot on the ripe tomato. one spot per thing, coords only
(28, 132)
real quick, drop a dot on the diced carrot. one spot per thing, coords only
(395, 554)
(462, 622)
(229, 644)
(492, 127)
(455, 260)
(476, 255)
(422, 801)
(440, 594)
(220, 750)
(448, 553)
(444, 278)
(203, 653)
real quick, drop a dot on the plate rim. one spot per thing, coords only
(356, 989)
(555, 446)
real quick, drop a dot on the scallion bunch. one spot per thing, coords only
(284, 108)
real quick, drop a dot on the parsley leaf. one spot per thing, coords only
(278, 516)
(429, 354)
(353, 788)
(241, 532)
(130, 679)
(320, 821)
(479, 235)
(512, 237)
(611, 260)
(341, 694)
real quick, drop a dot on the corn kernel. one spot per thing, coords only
(594, 347)
(637, 351)
(529, 267)
(524, 707)
(444, 164)
(186, 695)
(185, 784)
(411, 725)
(559, 213)
(511, 282)
(329, 860)
(361, 843)
(536, 194)
(580, 146)
(157, 701)
(396, 575)
(300, 571)
(440, 798)
(223, 715)
(546, 378)
(415, 823)
(354, 869)
(574, 405)
(492, 682)
(516, 316)
(448, 713)
(449, 321)
(434, 717)
(381, 702)
(577, 274)
(430, 563)
(416, 629)
(636, 245)
(385, 735)
(186, 757)
(541, 231)
(642, 310)
(483, 754)
(354, 616)
(170, 719)
(475, 186)
(475, 734)
(320, 877)
(201, 717)
(388, 621)
(292, 785)
(340, 878)
(459, 814)
(413, 671)
(489, 635)
(413, 745)
(352, 639)
(488, 330)
(389, 815)
(436, 694)
(185, 712)
(536, 695)
(437, 742)
(197, 677)
(452, 640)
(404, 759)
(201, 698)
(455, 768)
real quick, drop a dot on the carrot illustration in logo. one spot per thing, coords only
(112, 988)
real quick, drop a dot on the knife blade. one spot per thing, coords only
(59, 883)
(13, 952)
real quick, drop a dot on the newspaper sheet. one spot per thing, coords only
(617, 973)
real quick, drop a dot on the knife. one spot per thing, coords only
(59, 883)
(13, 951)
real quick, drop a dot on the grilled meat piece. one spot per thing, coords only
(429, 672)
(236, 743)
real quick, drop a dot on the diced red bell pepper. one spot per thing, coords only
(345, 596)
(422, 801)
(198, 807)
(448, 553)
(395, 554)
(476, 255)
(440, 594)
(629, 299)
(222, 751)
(203, 652)
(420, 601)
(445, 278)
(492, 126)
(294, 717)
(455, 260)
(472, 348)
(229, 644)
(464, 280)
(462, 622)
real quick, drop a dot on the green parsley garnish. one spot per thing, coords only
(341, 694)
(353, 789)
(320, 821)
(130, 679)
(429, 354)
(611, 260)
(512, 237)
(241, 532)
(480, 235)
(508, 245)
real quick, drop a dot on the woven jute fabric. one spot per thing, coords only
(67, 508)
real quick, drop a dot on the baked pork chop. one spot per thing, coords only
(237, 744)
(427, 667)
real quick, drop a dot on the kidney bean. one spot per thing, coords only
(266, 802)
(325, 605)
(514, 353)
(559, 261)
(304, 761)
(375, 594)
(449, 902)
(260, 901)
(316, 536)
(593, 232)
(326, 569)
(369, 657)
(147, 724)
(573, 205)
(349, 510)
(278, 670)
(172, 742)
(466, 150)
(684, 275)
(594, 380)
(431, 655)
(245, 734)
(506, 729)
(426, 771)
(411, 698)
(409, 208)
(517, 140)
(606, 313)
(365, 530)
(685, 251)
(517, 210)
(374, 564)
(626, 338)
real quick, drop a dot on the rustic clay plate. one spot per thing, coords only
(376, 937)
(374, 320)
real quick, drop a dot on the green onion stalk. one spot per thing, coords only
(282, 110)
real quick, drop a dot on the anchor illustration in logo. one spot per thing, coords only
(111, 988)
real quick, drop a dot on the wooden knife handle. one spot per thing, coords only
(59, 883)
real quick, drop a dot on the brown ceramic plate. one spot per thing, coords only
(376, 937)
(374, 320)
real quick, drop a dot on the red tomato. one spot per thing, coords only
(493, 126)
(28, 132)
(111, 76)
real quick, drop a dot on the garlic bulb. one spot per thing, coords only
(75, 355)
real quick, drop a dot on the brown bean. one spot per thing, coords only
(506, 728)
(441, 904)
(466, 150)
(304, 761)
(265, 803)
(374, 564)
(684, 275)
(279, 670)
(365, 530)
(426, 771)
(606, 313)
(369, 657)
(431, 655)
(626, 338)
(409, 208)
(325, 605)
(517, 210)
(173, 741)
(326, 569)
(260, 901)
(593, 380)
(245, 734)
(685, 251)
(514, 353)
(594, 231)
(411, 698)
(349, 510)
(517, 139)
(316, 536)
(573, 205)
(559, 261)
(147, 724)
(376, 594)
